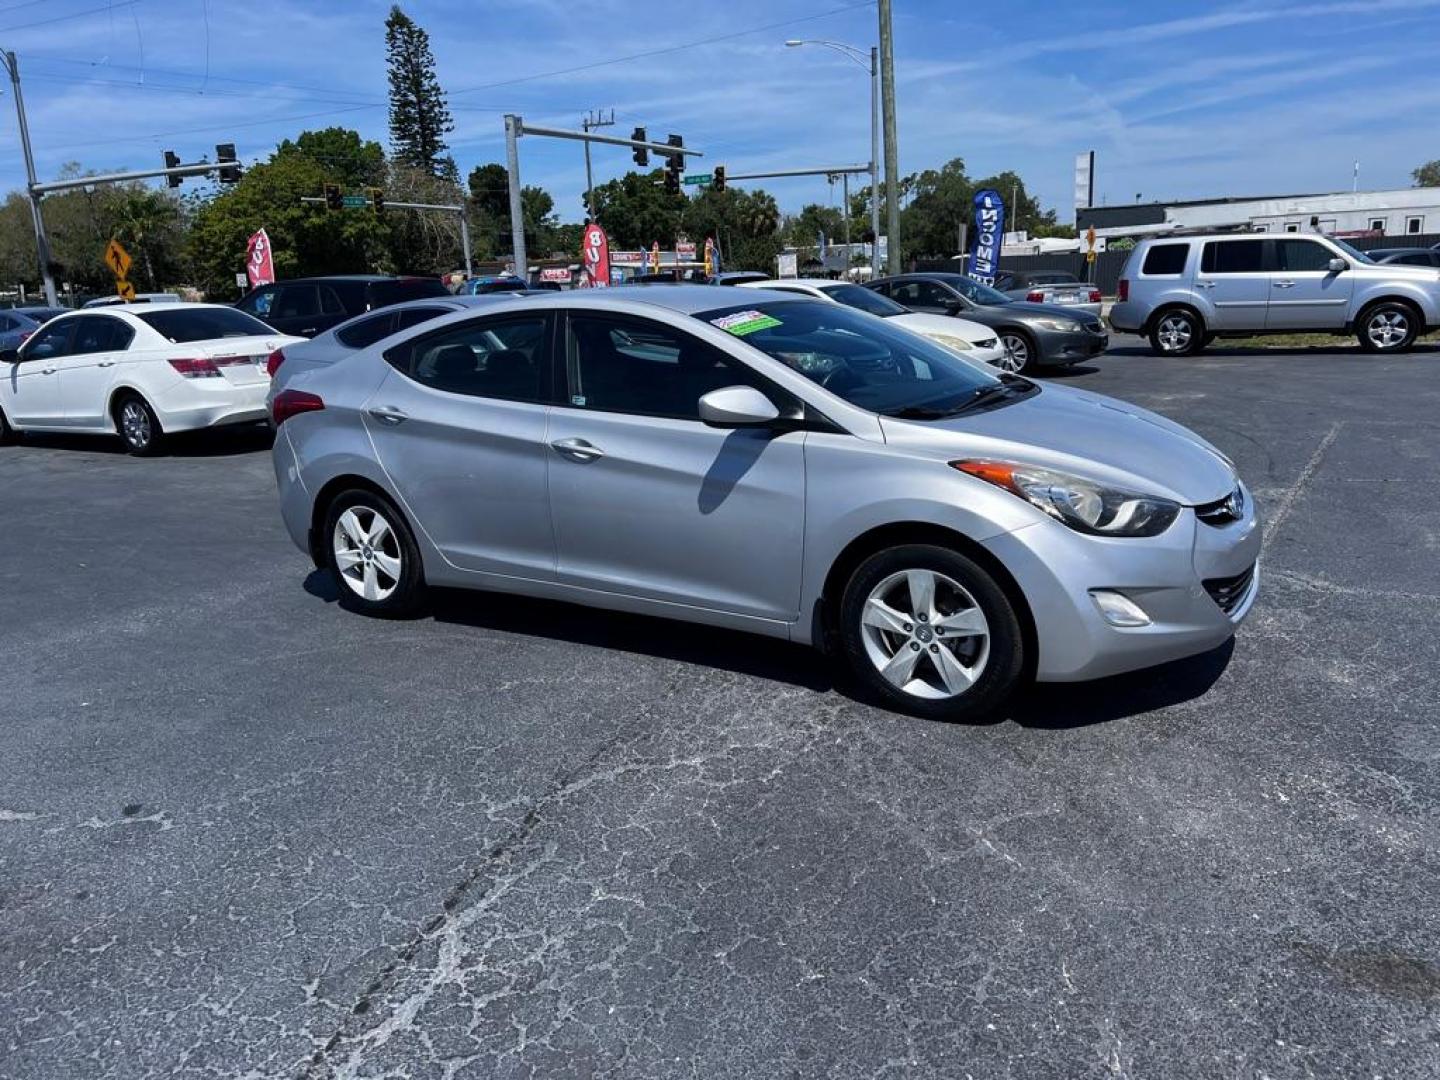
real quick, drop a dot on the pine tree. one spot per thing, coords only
(419, 116)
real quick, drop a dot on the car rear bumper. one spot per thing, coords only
(1179, 580)
(1127, 318)
(202, 403)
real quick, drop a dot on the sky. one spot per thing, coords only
(1177, 99)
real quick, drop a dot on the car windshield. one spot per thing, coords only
(203, 324)
(864, 299)
(871, 364)
(1354, 253)
(973, 291)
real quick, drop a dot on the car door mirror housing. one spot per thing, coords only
(737, 407)
(1338, 265)
(9, 356)
(953, 306)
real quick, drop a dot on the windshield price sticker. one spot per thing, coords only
(741, 323)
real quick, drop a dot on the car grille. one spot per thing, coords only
(1228, 592)
(1222, 512)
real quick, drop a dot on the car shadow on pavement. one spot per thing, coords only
(1058, 706)
(208, 442)
(1071, 372)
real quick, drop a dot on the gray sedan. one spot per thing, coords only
(1059, 287)
(776, 464)
(17, 324)
(1034, 336)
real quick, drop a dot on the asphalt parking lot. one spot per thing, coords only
(244, 833)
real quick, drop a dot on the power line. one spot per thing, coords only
(72, 15)
(17, 7)
(663, 51)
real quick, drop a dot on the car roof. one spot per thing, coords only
(814, 283)
(682, 299)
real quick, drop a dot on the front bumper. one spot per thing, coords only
(1062, 348)
(1059, 569)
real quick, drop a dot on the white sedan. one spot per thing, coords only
(970, 339)
(140, 372)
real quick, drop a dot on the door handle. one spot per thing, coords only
(389, 414)
(106, 363)
(47, 371)
(577, 450)
(1204, 284)
(310, 330)
(1283, 284)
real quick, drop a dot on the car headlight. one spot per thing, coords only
(951, 342)
(1086, 506)
(987, 343)
(1064, 326)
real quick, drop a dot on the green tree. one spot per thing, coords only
(422, 241)
(147, 222)
(636, 210)
(1427, 175)
(745, 223)
(803, 229)
(419, 116)
(348, 160)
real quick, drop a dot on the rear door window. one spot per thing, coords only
(1233, 257)
(505, 358)
(1165, 259)
(404, 320)
(366, 332)
(296, 302)
(99, 334)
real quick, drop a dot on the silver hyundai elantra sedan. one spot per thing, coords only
(774, 464)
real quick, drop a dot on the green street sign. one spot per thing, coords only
(354, 202)
(699, 178)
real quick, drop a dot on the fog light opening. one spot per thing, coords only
(1119, 609)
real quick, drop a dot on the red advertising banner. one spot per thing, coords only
(595, 252)
(259, 265)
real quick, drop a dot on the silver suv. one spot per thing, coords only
(1183, 292)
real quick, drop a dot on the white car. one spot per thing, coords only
(970, 339)
(139, 372)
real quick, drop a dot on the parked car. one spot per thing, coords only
(306, 306)
(140, 298)
(1034, 336)
(363, 331)
(777, 464)
(970, 339)
(1184, 291)
(1405, 256)
(17, 324)
(494, 283)
(139, 372)
(735, 277)
(1050, 287)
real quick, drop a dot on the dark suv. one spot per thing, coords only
(307, 306)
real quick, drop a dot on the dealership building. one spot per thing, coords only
(1403, 212)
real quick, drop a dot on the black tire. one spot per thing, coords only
(1018, 345)
(995, 674)
(1388, 327)
(8, 435)
(396, 595)
(137, 425)
(1177, 332)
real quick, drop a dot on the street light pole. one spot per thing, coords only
(42, 243)
(892, 150)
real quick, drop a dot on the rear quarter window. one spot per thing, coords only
(1165, 259)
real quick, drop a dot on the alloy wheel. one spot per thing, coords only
(367, 553)
(925, 634)
(135, 424)
(1174, 333)
(1016, 353)
(1387, 329)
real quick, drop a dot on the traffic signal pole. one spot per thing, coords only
(42, 242)
(515, 127)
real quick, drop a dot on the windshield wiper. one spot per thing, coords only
(920, 412)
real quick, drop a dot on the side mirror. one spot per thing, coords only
(1338, 265)
(736, 407)
(953, 306)
(9, 356)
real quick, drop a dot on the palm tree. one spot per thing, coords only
(141, 216)
(758, 215)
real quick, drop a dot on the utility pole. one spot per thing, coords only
(874, 162)
(589, 124)
(42, 243)
(892, 151)
(517, 220)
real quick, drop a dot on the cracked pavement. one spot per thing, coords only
(246, 834)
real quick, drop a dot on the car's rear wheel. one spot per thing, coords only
(8, 434)
(1018, 352)
(1177, 332)
(371, 552)
(1388, 327)
(930, 632)
(138, 425)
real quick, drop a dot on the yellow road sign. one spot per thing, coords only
(125, 289)
(118, 259)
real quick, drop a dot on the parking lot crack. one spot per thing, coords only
(1295, 490)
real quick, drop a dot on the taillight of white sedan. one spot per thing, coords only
(141, 372)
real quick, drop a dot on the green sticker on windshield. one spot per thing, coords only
(741, 323)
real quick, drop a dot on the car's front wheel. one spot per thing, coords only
(930, 632)
(1388, 328)
(1018, 352)
(138, 425)
(373, 556)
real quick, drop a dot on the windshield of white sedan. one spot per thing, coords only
(871, 364)
(864, 299)
(202, 324)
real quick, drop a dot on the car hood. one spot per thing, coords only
(1089, 434)
(953, 326)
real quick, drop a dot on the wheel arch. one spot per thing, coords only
(320, 506)
(1408, 302)
(896, 534)
(118, 393)
(1174, 305)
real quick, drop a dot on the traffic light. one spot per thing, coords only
(718, 183)
(672, 181)
(172, 161)
(377, 201)
(674, 164)
(229, 166)
(642, 156)
(333, 199)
